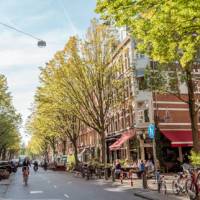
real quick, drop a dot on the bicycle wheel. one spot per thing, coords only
(191, 189)
(163, 188)
(175, 187)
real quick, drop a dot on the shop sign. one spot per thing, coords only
(151, 131)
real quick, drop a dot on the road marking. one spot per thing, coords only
(36, 192)
(55, 186)
(67, 196)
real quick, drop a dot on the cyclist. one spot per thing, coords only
(25, 169)
(35, 165)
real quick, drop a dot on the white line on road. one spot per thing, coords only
(67, 196)
(36, 192)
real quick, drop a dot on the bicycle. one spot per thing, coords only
(193, 184)
(179, 185)
(162, 186)
(25, 175)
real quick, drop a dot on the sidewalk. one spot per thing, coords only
(151, 193)
(4, 186)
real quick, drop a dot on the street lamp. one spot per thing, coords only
(41, 43)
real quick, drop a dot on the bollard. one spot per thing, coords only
(144, 180)
(113, 175)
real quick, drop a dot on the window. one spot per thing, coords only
(130, 88)
(123, 119)
(146, 115)
(173, 81)
(126, 90)
(112, 124)
(140, 116)
(198, 87)
(121, 64)
(141, 83)
(118, 121)
(199, 116)
(139, 55)
(128, 123)
(116, 124)
(132, 117)
(127, 59)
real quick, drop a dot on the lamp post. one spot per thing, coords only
(40, 43)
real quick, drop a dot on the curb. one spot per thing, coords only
(139, 194)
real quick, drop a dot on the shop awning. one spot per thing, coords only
(179, 138)
(124, 137)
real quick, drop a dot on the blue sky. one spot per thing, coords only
(53, 21)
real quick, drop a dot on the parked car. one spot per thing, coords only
(21, 160)
(5, 165)
(16, 162)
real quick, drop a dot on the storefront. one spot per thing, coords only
(181, 140)
(120, 148)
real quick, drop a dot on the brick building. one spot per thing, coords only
(127, 134)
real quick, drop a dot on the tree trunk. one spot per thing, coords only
(103, 148)
(75, 152)
(4, 154)
(192, 111)
(64, 147)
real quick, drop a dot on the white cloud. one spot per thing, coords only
(20, 59)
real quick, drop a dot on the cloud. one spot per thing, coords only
(20, 59)
(52, 21)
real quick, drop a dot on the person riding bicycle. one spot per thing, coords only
(26, 164)
(35, 163)
(25, 170)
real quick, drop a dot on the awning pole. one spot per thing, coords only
(180, 154)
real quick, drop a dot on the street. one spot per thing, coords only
(59, 185)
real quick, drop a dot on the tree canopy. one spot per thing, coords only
(9, 123)
(167, 31)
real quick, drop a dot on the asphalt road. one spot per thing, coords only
(61, 186)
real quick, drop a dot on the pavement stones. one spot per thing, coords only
(4, 184)
(154, 195)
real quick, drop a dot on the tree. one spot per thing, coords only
(168, 32)
(9, 123)
(88, 80)
(51, 119)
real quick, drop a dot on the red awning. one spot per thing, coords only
(179, 138)
(124, 137)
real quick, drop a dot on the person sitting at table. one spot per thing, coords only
(127, 163)
(141, 168)
(118, 169)
(150, 167)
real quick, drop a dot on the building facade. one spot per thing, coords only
(127, 134)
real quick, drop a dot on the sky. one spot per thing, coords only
(20, 58)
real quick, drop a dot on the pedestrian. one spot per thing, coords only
(150, 167)
(117, 168)
(141, 168)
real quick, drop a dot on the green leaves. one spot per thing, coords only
(9, 120)
(167, 31)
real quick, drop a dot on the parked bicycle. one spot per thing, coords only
(162, 186)
(193, 184)
(179, 184)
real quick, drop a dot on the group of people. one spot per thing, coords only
(26, 167)
(139, 166)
